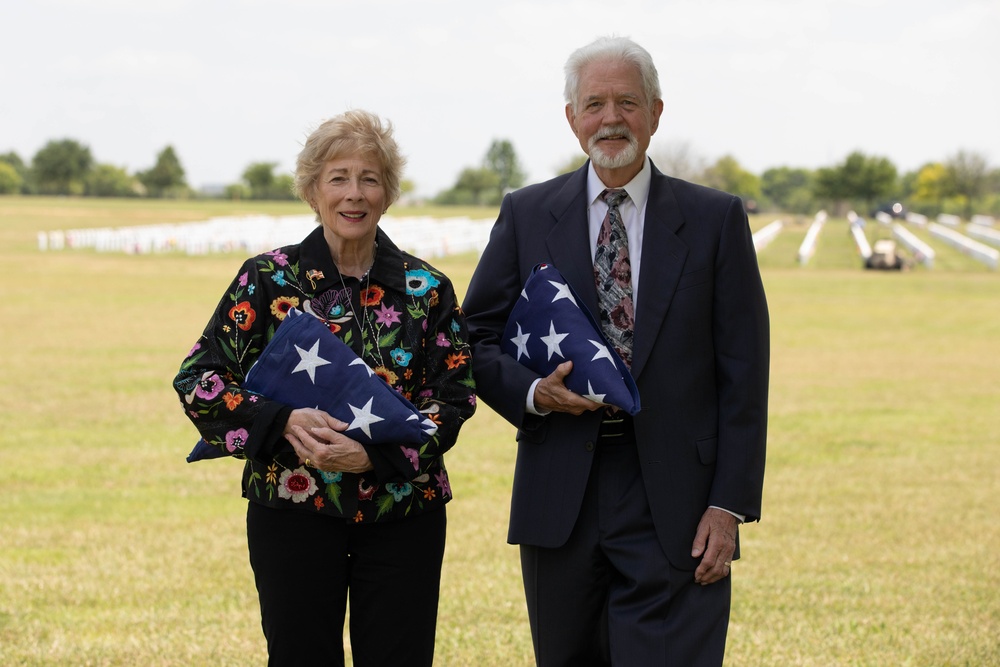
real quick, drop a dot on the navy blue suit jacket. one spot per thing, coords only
(700, 358)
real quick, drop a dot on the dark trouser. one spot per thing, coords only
(609, 596)
(306, 565)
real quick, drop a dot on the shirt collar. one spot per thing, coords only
(637, 188)
(319, 270)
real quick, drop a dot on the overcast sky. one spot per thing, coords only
(771, 82)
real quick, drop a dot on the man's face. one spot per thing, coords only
(613, 120)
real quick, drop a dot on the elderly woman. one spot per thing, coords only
(329, 517)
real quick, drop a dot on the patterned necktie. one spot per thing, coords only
(613, 275)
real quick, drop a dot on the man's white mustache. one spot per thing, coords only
(613, 131)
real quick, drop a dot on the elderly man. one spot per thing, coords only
(628, 525)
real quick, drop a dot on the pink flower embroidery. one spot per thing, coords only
(413, 456)
(387, 315)
(280, 258)
(236, 439)
(209, 386)
(443, 484)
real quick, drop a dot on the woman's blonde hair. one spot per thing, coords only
(352, 133)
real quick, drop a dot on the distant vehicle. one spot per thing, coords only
(893, 209)
(885, 257)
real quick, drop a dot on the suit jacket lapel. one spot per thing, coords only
(663, 254)
(569, 241)
(663, 257)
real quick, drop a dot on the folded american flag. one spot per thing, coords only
(550, 325)
(305, 365)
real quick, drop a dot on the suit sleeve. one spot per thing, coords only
(494, 289)
(742, 348)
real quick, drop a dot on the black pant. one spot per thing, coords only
(307, 566)
(609, 596)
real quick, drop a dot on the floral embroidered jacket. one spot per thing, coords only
(412, 334)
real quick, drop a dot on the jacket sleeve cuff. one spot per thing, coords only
(390, 464)
(267, 438)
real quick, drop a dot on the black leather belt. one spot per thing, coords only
(617, 428)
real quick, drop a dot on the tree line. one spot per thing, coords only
(67, 167)
(963, 183)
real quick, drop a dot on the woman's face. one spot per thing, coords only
(350, 197)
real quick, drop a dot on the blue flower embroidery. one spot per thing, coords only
(401, 356)
(279, 278)
(419, 281)
(331, 477)
(399, 491)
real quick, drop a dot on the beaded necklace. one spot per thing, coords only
(363, 302)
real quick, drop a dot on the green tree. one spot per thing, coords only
(727, 175)
(166, 177)
(788, 189)
(14, 160)
(483, 184)
(61, 167)
(474, 187)
(259, 177)
(236, 192)
(928, 188)
(487, 184)
(969, 176)
(859, 178)
(10, 180)
(262, 183)
(106, 180)
(870, 178)
(829, 186)
(283, 187)
(502, 160)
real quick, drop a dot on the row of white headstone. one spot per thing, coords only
(944, 229)
(436, 237)
(986, 234)
(808, 247)
(424, 237)
(763, 236)
(921, 251)
(857, 227)
(974, 249)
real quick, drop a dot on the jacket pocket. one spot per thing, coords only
(534, 429)
(693, 279)
(708, 449)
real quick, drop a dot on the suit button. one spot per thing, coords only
(589, 446)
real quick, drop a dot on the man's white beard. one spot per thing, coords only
(626, 157)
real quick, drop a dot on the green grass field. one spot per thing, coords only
(879, 543)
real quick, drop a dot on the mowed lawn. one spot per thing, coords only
(879, 543)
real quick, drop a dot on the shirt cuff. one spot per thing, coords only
(741, 517)
(529, 404)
